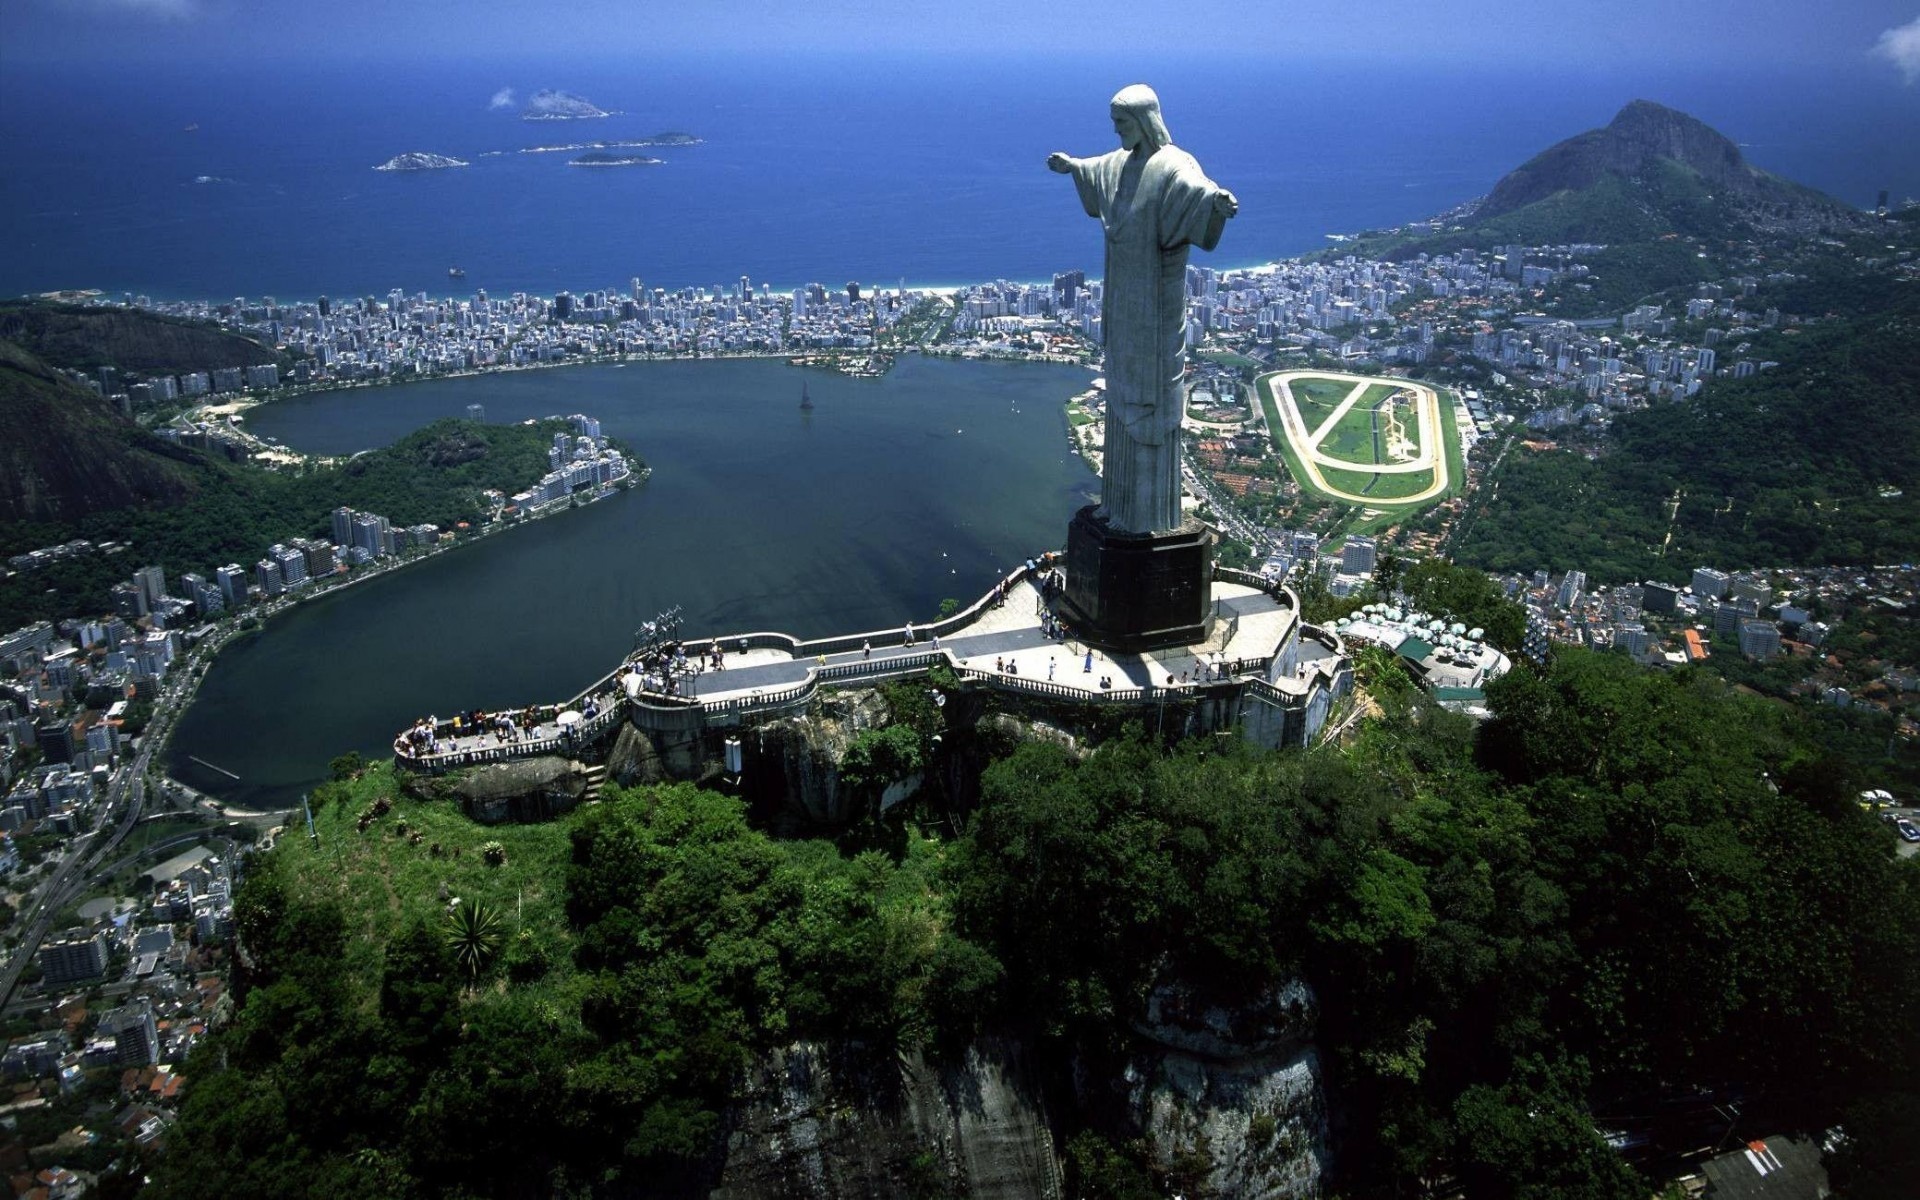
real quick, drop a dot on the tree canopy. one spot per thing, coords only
(1626, 890)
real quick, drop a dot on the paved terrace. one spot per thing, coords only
(1009, 640)
(1004, 644)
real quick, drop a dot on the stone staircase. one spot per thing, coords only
(598, 781)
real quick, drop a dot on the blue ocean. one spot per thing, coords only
(223, 178)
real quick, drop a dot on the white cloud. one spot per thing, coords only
(502, 99)
(1901, 47)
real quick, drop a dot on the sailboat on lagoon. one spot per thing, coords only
(806, 401)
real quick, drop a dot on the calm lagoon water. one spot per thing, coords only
(890, 496)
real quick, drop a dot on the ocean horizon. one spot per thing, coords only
(258, 179)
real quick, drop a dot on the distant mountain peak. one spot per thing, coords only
(1658, 130)
(1640, 135)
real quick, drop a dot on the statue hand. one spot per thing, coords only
(1059, 163)
(1225, 204)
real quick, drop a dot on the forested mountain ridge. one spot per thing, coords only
(1667, 195)
(233, 512)
(1643, 143)
(66, 453)
(85, 337)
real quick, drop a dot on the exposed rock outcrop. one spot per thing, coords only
(1011, 730)
(634, 760)
(825, 1123)
(520, 790)
(1229, 1097)
(799, 757)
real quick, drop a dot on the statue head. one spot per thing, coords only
(1137, 107)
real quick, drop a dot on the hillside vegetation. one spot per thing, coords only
(1797, 465)
(434, 475)
(85, 337)
(65, 453)
(1626, 888)
(1666, 194)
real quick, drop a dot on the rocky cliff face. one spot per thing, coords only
(827, 1123)
(1228, 1099)
(522, 790)
(796, 762)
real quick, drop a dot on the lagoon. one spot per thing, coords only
(892, 495)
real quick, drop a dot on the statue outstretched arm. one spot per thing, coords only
(1087, 175)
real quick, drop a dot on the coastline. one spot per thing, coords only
(203, 654)
(1045, 384)
(249, 402)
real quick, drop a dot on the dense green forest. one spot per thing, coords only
(1813, 462)
(1615, 211)
(1627, 891)
(433, 475)
(85, 337)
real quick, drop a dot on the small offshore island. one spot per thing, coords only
(550, 105)
(421, 161)
(658, 139)
(601, 158)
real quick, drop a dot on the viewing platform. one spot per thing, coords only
(1261, 669)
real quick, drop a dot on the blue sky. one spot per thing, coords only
(1864, 35)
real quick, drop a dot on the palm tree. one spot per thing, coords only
(474, 934)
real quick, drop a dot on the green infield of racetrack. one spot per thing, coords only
(1390, 485)
(1317, 398)
(1352, 439)
(1387, 490)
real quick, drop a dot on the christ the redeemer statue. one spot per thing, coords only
(1153, 201)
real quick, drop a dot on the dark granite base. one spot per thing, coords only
(1130, 592)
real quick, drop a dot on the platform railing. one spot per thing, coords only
(614, 702)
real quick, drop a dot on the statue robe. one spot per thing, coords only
(1152, 209)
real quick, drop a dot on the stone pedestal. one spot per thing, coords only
(1130, 592)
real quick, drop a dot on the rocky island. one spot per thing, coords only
(420, 161)
(601, 158)
(658, 139)
(550, 105)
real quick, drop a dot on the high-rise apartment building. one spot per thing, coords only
(1759, 639)
(1709, 584)
(153, 582)
(1357, 556)
(233, 584)
(73, 958)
